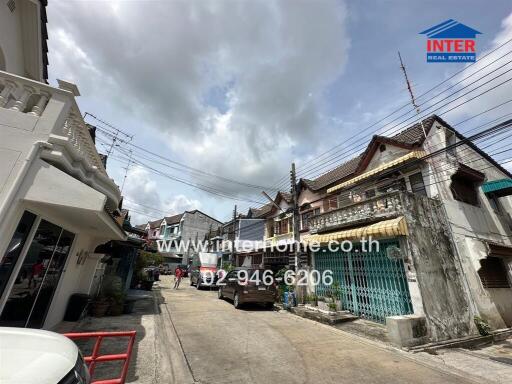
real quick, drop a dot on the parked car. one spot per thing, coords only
(243, 291)
(203, 270)
(184, 268)
(33, 356)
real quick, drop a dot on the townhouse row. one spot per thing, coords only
(439, 207)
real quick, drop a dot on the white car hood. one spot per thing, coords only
(29, 356)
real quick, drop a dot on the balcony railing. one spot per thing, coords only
(285, 238)
(52, 115)
(375, 208)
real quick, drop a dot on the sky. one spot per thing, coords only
(228, 93)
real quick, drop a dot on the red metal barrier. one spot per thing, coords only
(97, 358)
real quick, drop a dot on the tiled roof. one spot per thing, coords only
(262, 211)
(286, 196)
(44, 38)
(173, 219)
(336, 174)
(155, 224)
(412, 136)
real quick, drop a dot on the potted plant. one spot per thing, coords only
(113, 290)
(99, 306)
(128, 306)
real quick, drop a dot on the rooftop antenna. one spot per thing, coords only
(127, 169)
(411, 94)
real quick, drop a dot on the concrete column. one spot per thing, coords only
(20, 104)
(38, 109)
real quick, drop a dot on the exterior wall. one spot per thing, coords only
(437, 270)
(20, 39)
(197, 224)
(391, 153)
(251, 229)
(11, 43)
(473, 225)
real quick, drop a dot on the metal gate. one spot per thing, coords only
(371, 285)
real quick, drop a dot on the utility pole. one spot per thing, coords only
(233, 252)
(436, 185)
(127, 168)
(295, 217)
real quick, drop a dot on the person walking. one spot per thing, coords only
(178, 274)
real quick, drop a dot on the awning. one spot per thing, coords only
(386, 228)
(76, 206)
(383, 167)
(498, 250)
(498, 188)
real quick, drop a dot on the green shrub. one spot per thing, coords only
(483, 327)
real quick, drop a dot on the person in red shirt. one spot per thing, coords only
(178, 274)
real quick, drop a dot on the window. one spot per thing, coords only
(464, 191)
(304, 217)
(369, 193)
(10, 258)
(493, 273)
(417, 184)
(281, 226)
(332, 203)
(464, 185)
(398, 185)
(495, 203)
(382, 148)
(35, 285)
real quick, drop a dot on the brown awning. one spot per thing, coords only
(499, 250)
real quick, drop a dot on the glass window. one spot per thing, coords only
(417, 184)
(35, 285)
(11, 255)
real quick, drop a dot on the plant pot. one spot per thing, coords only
(128, 306)
(99, 308)
(116, 309)
(147, 285)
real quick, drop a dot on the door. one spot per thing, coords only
(369, 284)
(33, 290)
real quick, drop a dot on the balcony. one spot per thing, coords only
(32, 112)
(373, 209)
(277, 240)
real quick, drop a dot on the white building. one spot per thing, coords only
(56, 199)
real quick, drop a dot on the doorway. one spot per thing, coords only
(34, 287)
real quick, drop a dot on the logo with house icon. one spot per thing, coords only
(451, 42)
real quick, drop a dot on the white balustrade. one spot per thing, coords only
(78, 134)
(379, 206)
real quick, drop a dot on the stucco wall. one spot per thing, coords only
(197, 223)
(437, 270)
(11, 43)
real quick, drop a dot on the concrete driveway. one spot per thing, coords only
(219, 344)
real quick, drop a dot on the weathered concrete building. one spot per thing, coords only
(443, 228)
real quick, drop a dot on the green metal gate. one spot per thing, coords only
(372, 285)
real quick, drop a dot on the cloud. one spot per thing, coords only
(493, 97)
(235, 87)
(144, 199)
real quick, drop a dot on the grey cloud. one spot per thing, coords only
(161, 58)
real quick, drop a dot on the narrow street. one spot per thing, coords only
(254, 345)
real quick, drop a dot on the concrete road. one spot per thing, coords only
(220, 344)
